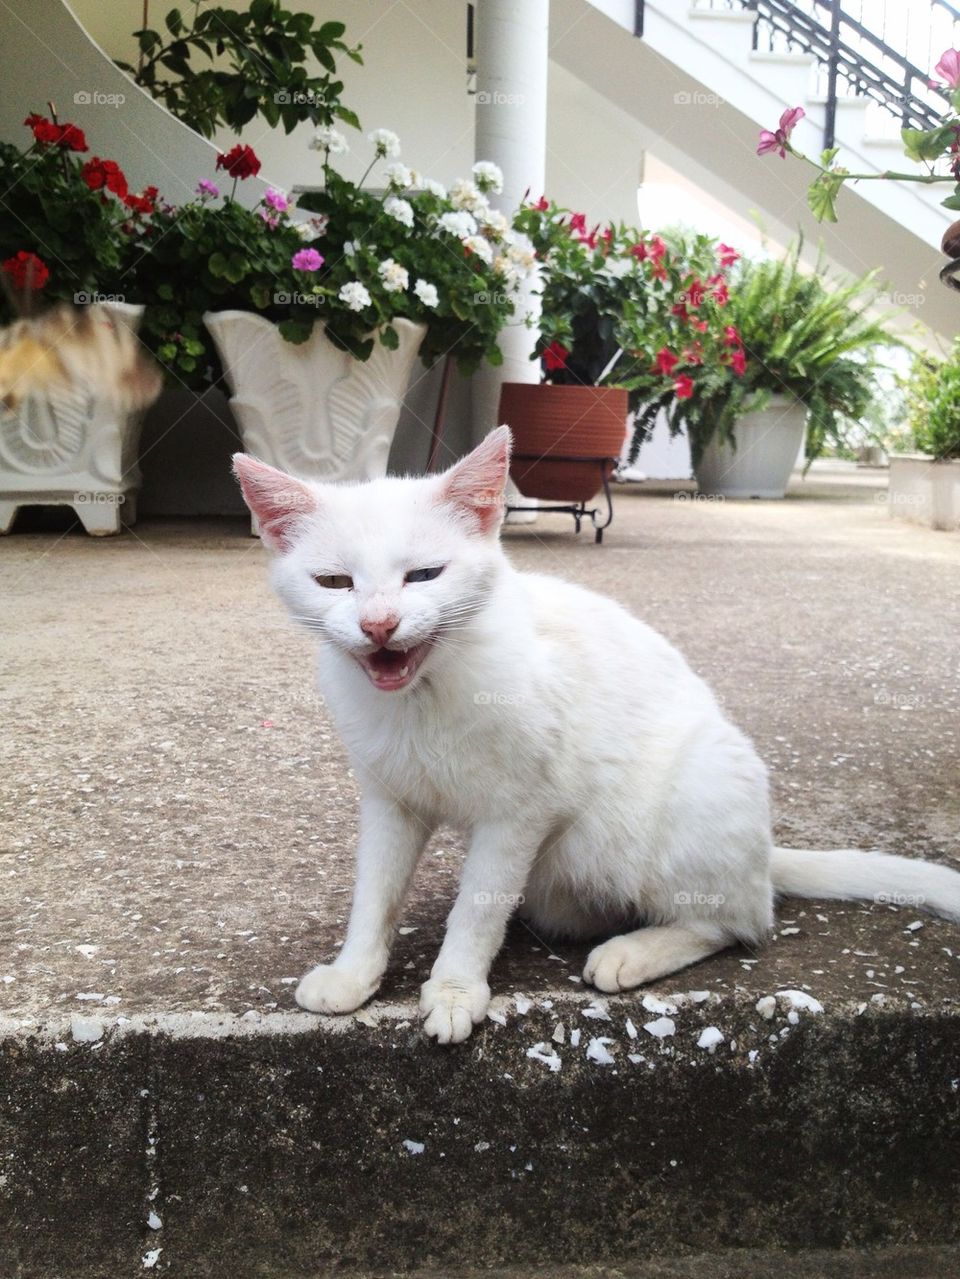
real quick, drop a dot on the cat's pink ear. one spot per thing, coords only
(276, 499)
(475, 484)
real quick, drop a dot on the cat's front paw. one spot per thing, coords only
(327, 989)
(452, 1008)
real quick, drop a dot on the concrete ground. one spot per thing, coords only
(176, 850)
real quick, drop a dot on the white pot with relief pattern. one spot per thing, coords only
(310, 408)
(70, 447)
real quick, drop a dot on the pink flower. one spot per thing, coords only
(738, 362)
(683, 387)
(664, 361)
(205, 187)
(271, 219)
(307, 260)
(780, 140)
(948, 68)
(727, 255)
(277, 200)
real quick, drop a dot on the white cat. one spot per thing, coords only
(598, 780)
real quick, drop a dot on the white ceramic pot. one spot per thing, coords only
(67, 447)
(310, 408)
(923, 491)
(768, 443)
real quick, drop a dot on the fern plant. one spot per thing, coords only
(933, 405)
(805, 336)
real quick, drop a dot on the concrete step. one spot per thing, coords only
(286, 1144)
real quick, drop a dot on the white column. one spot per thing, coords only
(511, 130)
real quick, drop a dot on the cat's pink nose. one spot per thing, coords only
(379, 629)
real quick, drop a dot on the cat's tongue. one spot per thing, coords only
(391, 669)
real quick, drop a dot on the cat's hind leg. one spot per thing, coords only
(647, 954)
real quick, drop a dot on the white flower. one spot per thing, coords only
(399, 176)
(434, 187)
(522, 258)
(327, 138)
(464, 195)
(386, 142)
(402, 210)
(306, 231)
(494, 221)
(354, 295)
(488, 176)
(427, 293)
(460, 224)
(481, 247)
(394, 276)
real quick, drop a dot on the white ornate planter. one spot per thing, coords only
(71, 448)
(768, 443)
(923, 491)
(312, 409)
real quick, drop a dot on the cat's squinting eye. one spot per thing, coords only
(334, 581)
(423, 574)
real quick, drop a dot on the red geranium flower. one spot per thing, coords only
(727, 255)
(241, 162)
(99, 173)
(542, 204)
(26, 270)
(47, 133)
(638, 251)
(143, 203)
(683, 387)
(731, 336)
(665, 361)
(738, 362)
(555, 356)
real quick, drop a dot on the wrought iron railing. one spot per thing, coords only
(881, 50)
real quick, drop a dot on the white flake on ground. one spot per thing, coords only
(481, 1146)
(766, 1007)
(93, 996)
(912, 928)
(151, 1258)
(636, 1058)
(405, 932)
(559, 1034)
(698, 996)
(661, 1028)
(710, 1037)
(414, 1147)
(496, 1016)
(522, 1003)
(597, 1051)
(789, 932)
(575, 1037)
(86, 1030)
(631, 1029)
(154, 1222)
(596, 1011)
(801, 1000)
(654, 1005)
(543, 1052)
(87, 952)
(752, 1055)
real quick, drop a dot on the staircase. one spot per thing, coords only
(703, 79)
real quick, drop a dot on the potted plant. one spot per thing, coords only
(615, 301)
(318, 324)
(925, 481)
(69, 235)
(803, 361)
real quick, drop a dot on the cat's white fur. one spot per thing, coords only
(601, 786)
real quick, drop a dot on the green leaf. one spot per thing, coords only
(165, 291)
(295, 331)
(217, 264)
(926, 144)
(174, 22)
(952, 201)
(822, 196)
(390, 338)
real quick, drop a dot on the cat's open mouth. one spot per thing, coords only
(390, 669)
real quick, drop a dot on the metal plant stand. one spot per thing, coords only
(579, 510)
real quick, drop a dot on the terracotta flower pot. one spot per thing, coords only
(560, 435)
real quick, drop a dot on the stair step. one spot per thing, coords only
(724, 15)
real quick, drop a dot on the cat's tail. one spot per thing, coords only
(879, 877)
